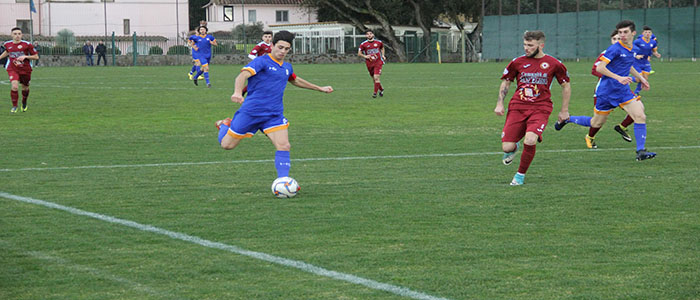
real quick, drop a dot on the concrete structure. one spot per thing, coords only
(224, 15)
(97, 18)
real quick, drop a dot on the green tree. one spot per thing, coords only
(252, 32)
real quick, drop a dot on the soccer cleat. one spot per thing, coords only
(201, 77)
(652, 72)
(508, 156)
(226, 122)
(195, 81)
(590, 142)
(190, 76)
(518, 179)
(559, 125)
(644, 154)
(24, 107)
(623, 132)
(374, 95)
(381, 93)
(13, 109)
(209, 85)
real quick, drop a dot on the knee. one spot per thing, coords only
(530, 140)
(508, 147)
(284, 147)
(639, 118)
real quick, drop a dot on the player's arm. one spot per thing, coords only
(502, 93)
(602, 68)
(565, 97)
(213, 42)
(656, 52)
(4, 54)
(253, 53)
(240, 83)
(299, 82)
(640, 78)
(359, 53)
(383, 56)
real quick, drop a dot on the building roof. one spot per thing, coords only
(254, 2)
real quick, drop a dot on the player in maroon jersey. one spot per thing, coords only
(260, 49)
(372, 51)
(18, 68)
(531, 105)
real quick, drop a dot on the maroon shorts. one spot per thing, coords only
(23, 78)
(375, 69)
(519, 121)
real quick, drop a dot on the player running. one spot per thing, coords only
(531, 104)
(613, 88)
(201, 45)
(372, 51)
(260, 49)
(263, 109)
(644, 47)
(18, 68)
(586, 120)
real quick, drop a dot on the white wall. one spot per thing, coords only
(147, 17)
(266, 14)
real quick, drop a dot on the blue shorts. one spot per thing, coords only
(203, 61)
(244, 125)
(641, 68)
(604, 104)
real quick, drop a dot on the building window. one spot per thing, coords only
(228, 13)
(282, 16)
(252, 16)
(127, 27)
(24, 25)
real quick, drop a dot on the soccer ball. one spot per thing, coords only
(285, 187)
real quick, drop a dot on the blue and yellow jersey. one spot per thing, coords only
(203, 43)
(266, 86)
(645, 47)
(620, 60)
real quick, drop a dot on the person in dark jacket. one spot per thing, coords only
(88, 49)
(101, 50)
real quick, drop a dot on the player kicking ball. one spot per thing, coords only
(531, 104)
(263, 109)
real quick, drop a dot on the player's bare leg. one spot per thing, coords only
(509, 151)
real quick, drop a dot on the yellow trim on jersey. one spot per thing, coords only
(602, 112)
(607, 61)
(276, 128)
(623, 45)
(645, 40)
(279, 63)
(238, 136)
(622, 105)
(249, 69)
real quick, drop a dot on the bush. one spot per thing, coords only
(155, 50)
(223, 48)
(117, 52)
(77, 51)
(65, 38)
(178, 49)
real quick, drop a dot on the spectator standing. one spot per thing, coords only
(101, 50)
(88, 49)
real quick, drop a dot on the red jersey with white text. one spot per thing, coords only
(534, 76)
(594, 71)
(372, 48)
(261, 49)
(15, 51)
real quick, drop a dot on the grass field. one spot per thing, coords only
(112, 186)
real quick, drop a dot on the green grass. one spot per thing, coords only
(424, 204)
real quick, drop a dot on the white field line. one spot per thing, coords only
(177, 164)
(306, 267)
(92, 271)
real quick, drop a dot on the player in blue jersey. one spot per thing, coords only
(263, 108)
(613, 88)
(644, 47)
(195, 57)
(201, 45)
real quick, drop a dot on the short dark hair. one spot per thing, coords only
(625, 24)
(283, 36)
(534, 35)
(369, 30)
(16, 28)
(645, 28)
(614, 33)
(267, 32)
(205, 27)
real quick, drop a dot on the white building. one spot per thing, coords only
(224, 15)
(97, 17)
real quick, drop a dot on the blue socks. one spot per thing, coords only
(223, 129)
(282, 163)
(193, 70)
(640, 135)
(580, 120)
(206, 77)
(199, 72)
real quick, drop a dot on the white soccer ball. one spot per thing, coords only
(285, 187)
